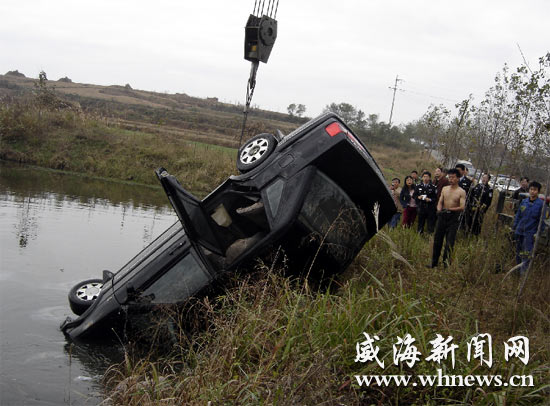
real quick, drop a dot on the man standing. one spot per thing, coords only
(465, 183)
(395, 193)
(414, 176)
(481, 198)
(440, 180)
(449, 207)
(526, 224)
(524, 188)
(426, 195)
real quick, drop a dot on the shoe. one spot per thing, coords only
(431, 266)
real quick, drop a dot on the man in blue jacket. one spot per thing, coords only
(526, 224)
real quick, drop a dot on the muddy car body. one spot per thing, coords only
(311, 193)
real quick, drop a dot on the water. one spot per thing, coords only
(56, 230)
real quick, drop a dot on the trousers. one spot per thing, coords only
(426, 215)
(395, 220)
(524, 246)
(446, 228)
(409, 214)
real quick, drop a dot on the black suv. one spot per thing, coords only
(313, 192)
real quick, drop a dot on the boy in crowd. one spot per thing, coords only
(526, 224)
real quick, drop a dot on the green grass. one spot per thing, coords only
(70, 141)
(274, 340)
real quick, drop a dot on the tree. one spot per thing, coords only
(296, 110)
(44, 94)
(351, 116)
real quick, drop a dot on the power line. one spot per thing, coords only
(429, 95)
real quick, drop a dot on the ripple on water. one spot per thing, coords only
(52, 313)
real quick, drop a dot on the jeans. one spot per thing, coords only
(395, 220)
(524, 246)
(446, 228)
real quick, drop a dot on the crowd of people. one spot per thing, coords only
(452, 200)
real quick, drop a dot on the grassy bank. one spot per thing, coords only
(271, 340)
(69, 140)
(72, 141)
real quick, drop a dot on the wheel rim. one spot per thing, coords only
(89, 291)
(254, 151)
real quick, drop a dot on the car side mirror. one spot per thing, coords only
(107, 276)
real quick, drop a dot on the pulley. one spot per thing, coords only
(260, 34)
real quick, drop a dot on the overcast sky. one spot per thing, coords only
(326, 51)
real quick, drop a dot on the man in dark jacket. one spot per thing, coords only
(526, 224)
(426, 199)
(524, 188)
(414, 175)
(440, 180)
(480, 200)
(464, 182)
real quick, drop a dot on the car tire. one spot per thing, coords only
(255, 151)
(83, 294)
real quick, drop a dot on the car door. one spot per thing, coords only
(196, 222)
(178, 282)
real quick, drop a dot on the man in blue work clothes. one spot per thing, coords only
(526, 224)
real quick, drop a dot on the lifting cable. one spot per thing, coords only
(260, 35)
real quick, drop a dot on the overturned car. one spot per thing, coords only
(311, 193)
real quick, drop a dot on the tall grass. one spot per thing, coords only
(274, 340)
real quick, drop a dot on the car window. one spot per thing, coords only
(274, 193)
(152, 251)
(181, 281)
(330, 214)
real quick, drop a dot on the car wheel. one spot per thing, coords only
(255, 151)
(83, 295)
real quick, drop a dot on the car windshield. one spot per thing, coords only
(330, 214)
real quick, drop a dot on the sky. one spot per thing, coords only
(326, 51)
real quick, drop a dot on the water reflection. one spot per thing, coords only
(56, 230)
(33, 191)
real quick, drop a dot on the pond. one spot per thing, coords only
(57, 229)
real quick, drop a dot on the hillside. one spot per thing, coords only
(123, 133)
(178, 113)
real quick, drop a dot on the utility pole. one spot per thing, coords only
(393, 100)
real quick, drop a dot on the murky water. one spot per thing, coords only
(56, 230)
